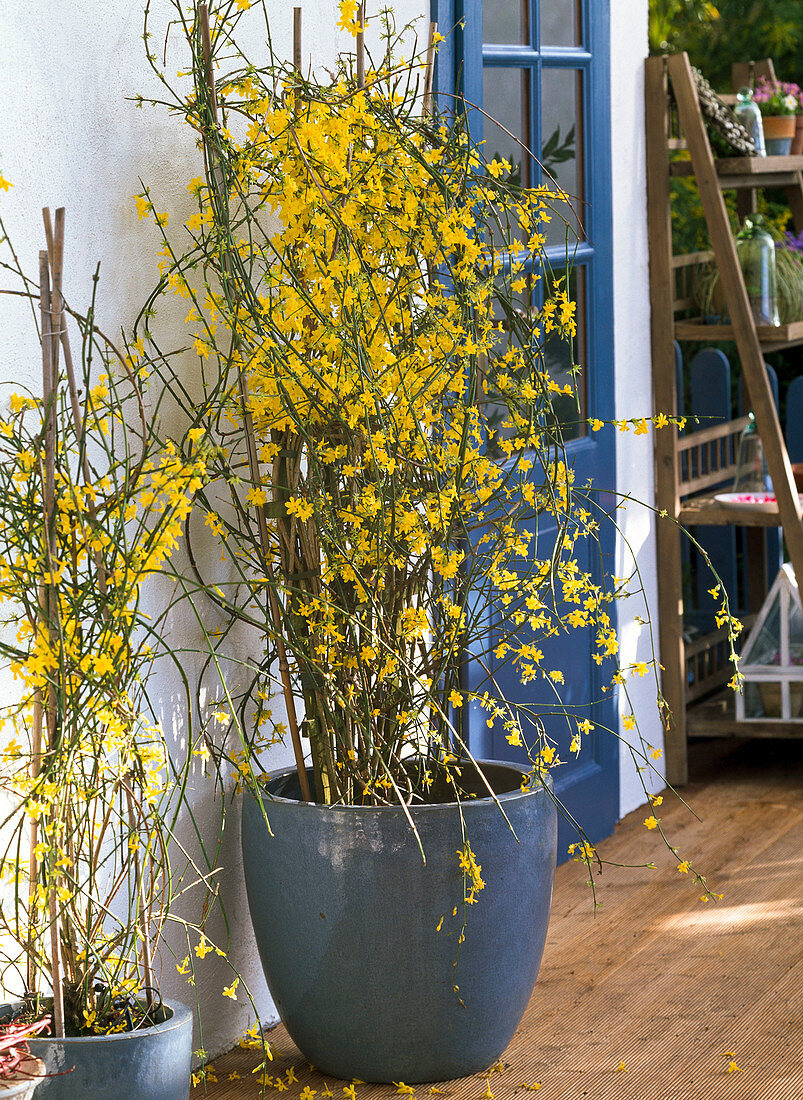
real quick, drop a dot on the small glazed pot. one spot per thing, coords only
(22, 1086)
(797, 140)
(149, 1064)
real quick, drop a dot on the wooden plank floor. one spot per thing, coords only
(658, 994)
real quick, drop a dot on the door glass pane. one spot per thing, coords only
(560, 22)
(561, 359)
(505, 22)
(562, 150)
(506, 98)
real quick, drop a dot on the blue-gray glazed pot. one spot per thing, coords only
(778, 147)
(151, 1064)
(346, 917)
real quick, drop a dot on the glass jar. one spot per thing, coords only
(756, 252)
(747, 112)
(752, 475)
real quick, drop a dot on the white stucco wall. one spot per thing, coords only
(71, 136)
(634, 466)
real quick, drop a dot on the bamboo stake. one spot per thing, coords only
(429, 74)
(49, 390)
(55, 249)
(361, 47)
(253, 458)
(297, 40)
(33, 863)
(144, 908)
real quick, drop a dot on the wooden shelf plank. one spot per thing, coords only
(771, 337)
(716, 717)
(735, 172)
(707, 510)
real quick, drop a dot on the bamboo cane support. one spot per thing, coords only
(144, 911)
(49, 389)
(361, 47)
(33, 863)
(253, 458)
(429, 73)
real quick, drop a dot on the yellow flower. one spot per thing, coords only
(230, 990)
(298, 507)
(5, 184)
(651, 822)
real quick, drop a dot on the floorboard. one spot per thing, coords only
(656, 996)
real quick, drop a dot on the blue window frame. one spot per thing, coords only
(545, 65)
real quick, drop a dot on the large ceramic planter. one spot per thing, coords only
(359, 938)
(151, 1064)
(23, 1086)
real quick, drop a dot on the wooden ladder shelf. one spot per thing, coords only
(745, 175)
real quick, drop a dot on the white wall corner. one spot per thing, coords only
(633, 392)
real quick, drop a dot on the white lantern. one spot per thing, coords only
(772, 659)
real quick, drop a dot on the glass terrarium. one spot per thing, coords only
(772, 659)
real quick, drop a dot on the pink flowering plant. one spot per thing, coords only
(776, 98)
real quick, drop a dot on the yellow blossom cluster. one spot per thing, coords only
(361, 313)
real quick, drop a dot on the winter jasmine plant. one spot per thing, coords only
(372, 314)
(91, 507)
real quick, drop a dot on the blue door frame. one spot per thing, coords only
(589, 786)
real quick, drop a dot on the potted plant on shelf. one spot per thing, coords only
(91, 505)
(779, 103)
(373, 312)
(20, 1071)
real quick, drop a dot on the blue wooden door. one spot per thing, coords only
(541, 68)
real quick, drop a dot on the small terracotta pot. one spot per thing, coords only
(779, 130)
(797, 140)
(797, 471)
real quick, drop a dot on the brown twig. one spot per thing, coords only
(253, 458)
